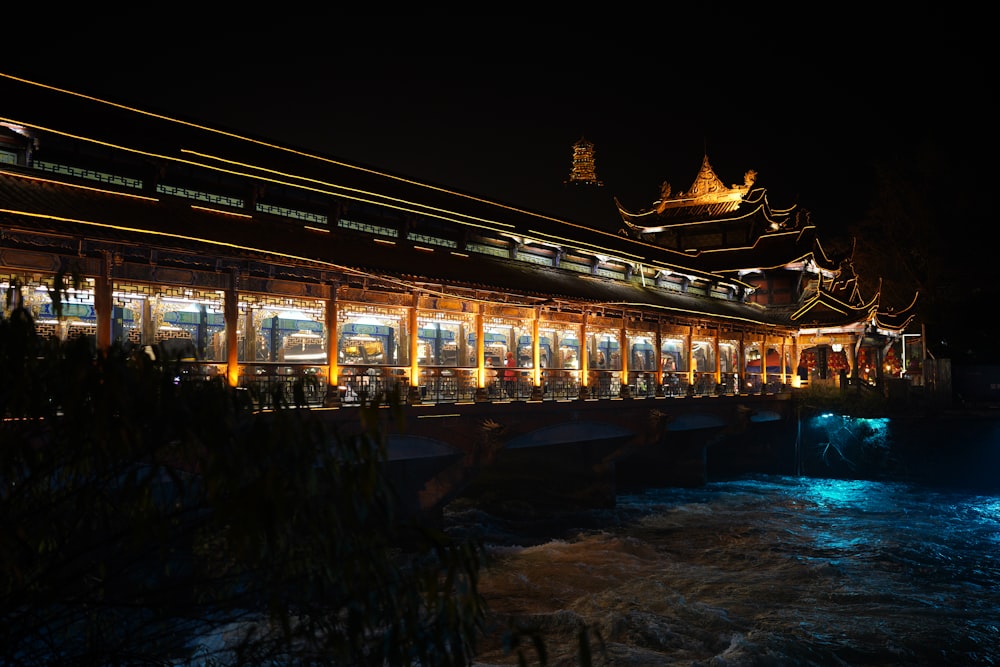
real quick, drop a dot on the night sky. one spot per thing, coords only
(492, 107)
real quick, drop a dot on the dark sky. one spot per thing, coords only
(492, 106)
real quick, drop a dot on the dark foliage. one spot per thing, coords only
(926, 233)
(149, 521)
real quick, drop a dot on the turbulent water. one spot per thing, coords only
(767, 570)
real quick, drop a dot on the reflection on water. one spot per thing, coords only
(766, 570)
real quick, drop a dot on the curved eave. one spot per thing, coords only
(908, 308)
(674, 218)
(897, 320)
(892, 321)
(771, 251)
(824, 260)
(824, 307)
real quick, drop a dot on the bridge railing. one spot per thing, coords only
(675, 384)
(447, 385)
(357, 383)
(642, 384)
(560, 384)
(305, 383)
(730, 384)
(269, 383)
(704, 384)
(604, 384)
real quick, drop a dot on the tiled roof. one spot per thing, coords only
(30, 205)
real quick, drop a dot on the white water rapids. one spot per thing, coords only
(765, 570)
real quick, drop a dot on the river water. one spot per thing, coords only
(755, 570)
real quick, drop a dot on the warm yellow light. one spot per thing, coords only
(216, 210)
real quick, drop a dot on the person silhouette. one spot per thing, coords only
(510, 376)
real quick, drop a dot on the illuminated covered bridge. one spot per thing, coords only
(271, 267)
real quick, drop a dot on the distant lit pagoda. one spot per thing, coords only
(583, 172)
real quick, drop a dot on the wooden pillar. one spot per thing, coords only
(784, 365)
(763, 363)
(332, 347)
(482, 392)
(584, 360)
(624, 390)
(536, 356)
(231, 315)
(796, 356)
(659, 358)
(718, 359)
(414, 397)
(148, 325)
(103, 303)
(689, 353)
(852, 355)
(741, 364)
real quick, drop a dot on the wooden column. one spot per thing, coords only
(414, 397)
(332, 348)
(148, 324)
(231, 315)
(718, 359)
(763, 363)
(103, 303)
(536, 356)
(689, 353)
(659, 358)
(481, 390)
(624, 390)
(741, 364)
(796, 353)
(584, 360)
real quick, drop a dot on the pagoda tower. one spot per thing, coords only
(582, 171)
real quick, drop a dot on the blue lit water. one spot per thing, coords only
(760, 570)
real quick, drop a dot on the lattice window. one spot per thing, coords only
(198, 195)
(431, 240)
(534, 259)
(484, 249)
(378, 230)
(575, 266)
(284, 212)
(617, 275)
(89, 174)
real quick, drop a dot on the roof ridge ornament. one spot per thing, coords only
(706, 181)
(707, 188)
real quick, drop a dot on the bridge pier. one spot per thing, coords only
(568, 453)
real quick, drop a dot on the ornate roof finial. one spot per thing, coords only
(706, 181)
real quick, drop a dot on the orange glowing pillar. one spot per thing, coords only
(689, 351)
(414, 344)
(625, 353)
(536, 352)
(332, 343)
(480, 351)
(718, 358)
(231, 314)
